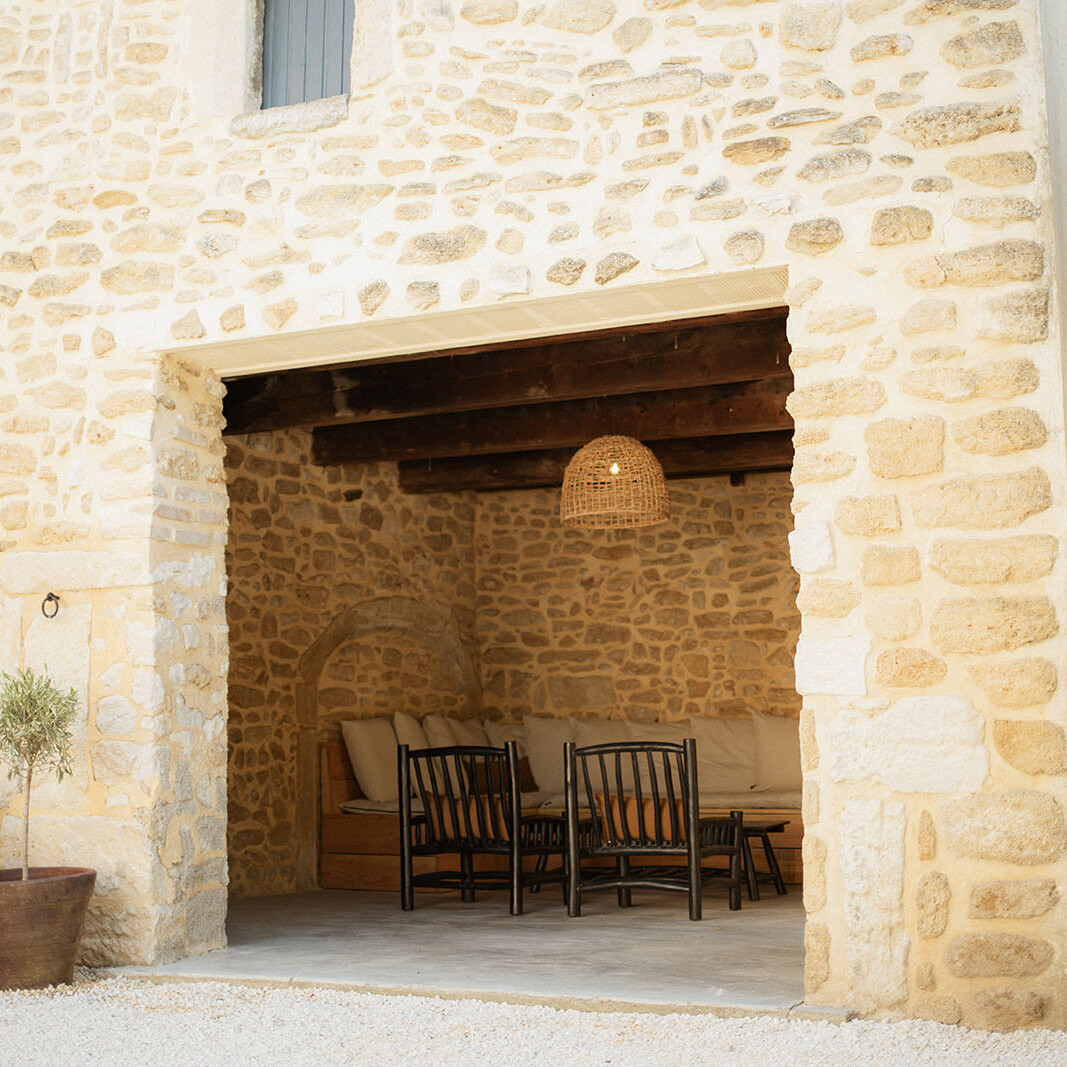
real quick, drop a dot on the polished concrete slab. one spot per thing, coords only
(649, 955)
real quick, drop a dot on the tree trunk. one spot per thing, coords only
(26, 827)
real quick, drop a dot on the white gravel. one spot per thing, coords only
(126, 1021)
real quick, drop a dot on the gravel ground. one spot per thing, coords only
(123, 1021)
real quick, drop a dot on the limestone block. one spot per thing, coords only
(664, 85)
(509, 281)
(1024, 899)
(999, 380)
(131, 277)
(71, 569)
(814, 856)
(761, 150)
(1009, 260)
(888, 565)
(881, 45)
(1032, 747)
(983, 502)
(811, 546)
(739, 54)
(821, 466)
(16, 459)
(902, 448)
(997, 433)
(612, 265)
(744, 247)
(816, 956)
(815, 236)
(997, 955)
(372, 296)
(999, 170)
(1015, 318)
(995, 211)
(841, 318)
(809, 745)
(116, 762)
(921, 744)
(992, 624)
(899, 225)
(803, 116)
(341, 201)
(683, 254)
(988, 45)
(836, 396)
(1017, 826)
(928, 316)
(422, 295)
(579, 16)
(493, 118)
(833, 165)
(1008, 559)
(811, 25)
(863, 10)
(868, 516)
(565, 271)
(1017, 683)
(631, 34)
(927, 837)
(832, 666)
(489, 12)
(827, 597)
(932, 898)
(1009, 1009)
(908, 668)
(277, 315)
(462, 242)
(116, 715)
(940, 1009)
(188, 327)
(947, 124)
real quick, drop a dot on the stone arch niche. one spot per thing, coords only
(384, 616)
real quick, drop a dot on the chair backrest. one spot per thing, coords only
(470, 794)
(642, 794)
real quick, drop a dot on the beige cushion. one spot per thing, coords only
(726, 754)
(605, 732)
(469, 732)
(499, 733)
(439, 732)
(673, 733)
(544, 745)
(409, 730)
(777, 752)
(371, 745)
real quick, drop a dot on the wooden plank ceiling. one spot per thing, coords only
(707, 395)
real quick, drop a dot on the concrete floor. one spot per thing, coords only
(649, 955)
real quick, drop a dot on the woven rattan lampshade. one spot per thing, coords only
(613, 483)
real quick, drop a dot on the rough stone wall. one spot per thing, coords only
(695, 617)
(309, 544)
(894, 153)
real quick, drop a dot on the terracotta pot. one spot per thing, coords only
(41, 924)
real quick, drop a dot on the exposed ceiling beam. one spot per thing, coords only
(751, 407)
(704, 353)
(685, 458)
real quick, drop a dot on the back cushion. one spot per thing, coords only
(606, 732)
(726, 754)
(409, 730)
(500, 733)
(544, 745)
(439, 732)
(469, 732)
(777, 752)
(371, 745)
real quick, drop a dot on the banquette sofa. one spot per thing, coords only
(751, 764)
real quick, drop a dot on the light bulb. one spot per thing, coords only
(614, 467)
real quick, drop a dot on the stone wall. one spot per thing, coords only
(309, 546)
(694, 617)
(894, 154)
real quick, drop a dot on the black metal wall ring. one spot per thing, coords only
(50, 606)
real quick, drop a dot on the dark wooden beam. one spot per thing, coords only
(750, 407)
(686, 458)
(563, 369)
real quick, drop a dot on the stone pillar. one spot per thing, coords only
(929, 516)
(114, 499)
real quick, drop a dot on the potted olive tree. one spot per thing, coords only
(42, 909)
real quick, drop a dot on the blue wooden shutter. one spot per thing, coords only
(307, 49)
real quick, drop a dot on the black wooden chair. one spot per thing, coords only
(471, 806)
(641, 801)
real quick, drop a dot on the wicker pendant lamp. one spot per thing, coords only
(613, 483)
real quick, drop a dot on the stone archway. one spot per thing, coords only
(399, 616)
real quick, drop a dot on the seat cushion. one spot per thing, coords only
(544, 745)
(726, 754)
(371, 745)
(777, 753)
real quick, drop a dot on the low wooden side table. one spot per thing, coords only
(762, 830)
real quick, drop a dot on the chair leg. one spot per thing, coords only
(572, 882)
(772, 862)
(696, 891)
(516, 888)
(466, 868)
(622, 866)
(735, 876)
(749, 868)
(407, 890)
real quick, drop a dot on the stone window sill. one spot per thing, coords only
(292, 118)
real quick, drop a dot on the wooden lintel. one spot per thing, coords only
(687, 458)
(628, 361)
(751, 407)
